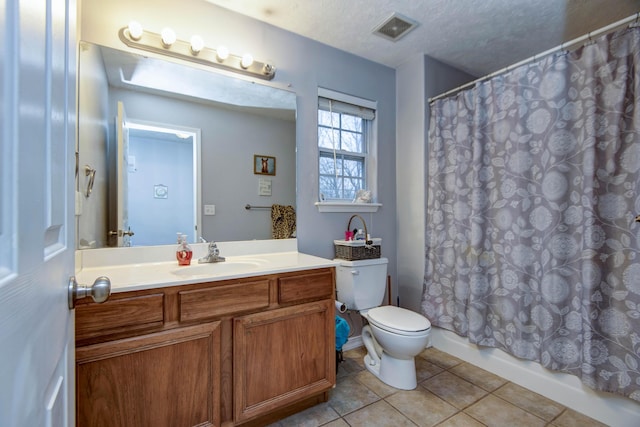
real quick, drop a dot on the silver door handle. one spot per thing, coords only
(99, 291)
(355, 272)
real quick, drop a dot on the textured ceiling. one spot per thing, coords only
(476, 36)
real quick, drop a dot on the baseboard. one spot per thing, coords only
(353, 342)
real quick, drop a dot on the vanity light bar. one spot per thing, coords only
(154, 42)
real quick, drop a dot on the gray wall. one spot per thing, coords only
(93, 89)
(417, 80)
(159, 161)
(303, 65)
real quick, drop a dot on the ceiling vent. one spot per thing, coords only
(395, 27)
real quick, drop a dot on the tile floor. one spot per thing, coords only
(450, 393)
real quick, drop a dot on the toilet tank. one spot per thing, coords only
(361, 284)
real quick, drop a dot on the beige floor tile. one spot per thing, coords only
(337, 423)
(426, 369)
(356, 353)
(439, 358)
(529, 401)
(571, 418)
(421, 406)
(496, 412)
(312, 417)
(353, 361)
(379, 414)
(350, 395)
(480, 377)
(461, 420)
(452, 393)
(453, 389)
(374, 384)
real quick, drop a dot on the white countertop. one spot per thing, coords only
(140, 273)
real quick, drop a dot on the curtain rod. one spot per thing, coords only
(562, 46)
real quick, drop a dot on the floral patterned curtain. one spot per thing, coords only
(534, 185)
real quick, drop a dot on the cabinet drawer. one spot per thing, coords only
(119, 315)
(223, 300)
(307, 286)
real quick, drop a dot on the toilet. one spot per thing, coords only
(394, 335)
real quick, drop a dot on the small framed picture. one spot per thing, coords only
(160, 191)
(264, 165)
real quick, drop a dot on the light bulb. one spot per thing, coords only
(247, 60)
(168, 36)
(196, 44)
(222, 53)
(135, 30)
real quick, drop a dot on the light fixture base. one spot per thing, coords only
(152, 42)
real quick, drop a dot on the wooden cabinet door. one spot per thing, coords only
(282, 356)
(169, 378)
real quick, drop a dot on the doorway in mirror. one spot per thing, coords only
(162, 194)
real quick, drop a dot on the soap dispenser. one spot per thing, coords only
(184, 252)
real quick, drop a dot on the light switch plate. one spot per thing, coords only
(264, 187)
(209, 209)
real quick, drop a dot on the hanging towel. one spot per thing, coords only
(283, 222)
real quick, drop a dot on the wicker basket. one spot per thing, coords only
(354, 250)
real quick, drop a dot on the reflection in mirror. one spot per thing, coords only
(153, 149)
(234, 119)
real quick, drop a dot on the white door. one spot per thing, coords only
(37, 134)
(122, 185)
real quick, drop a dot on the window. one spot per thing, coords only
(345, 144)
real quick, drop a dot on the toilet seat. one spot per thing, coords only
(398, 320)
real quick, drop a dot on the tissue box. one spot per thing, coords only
(353, 250)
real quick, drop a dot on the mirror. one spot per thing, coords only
(229, 121)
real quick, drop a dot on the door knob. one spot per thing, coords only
(99, 291)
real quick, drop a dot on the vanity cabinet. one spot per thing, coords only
(234, 352)
(166, 378)
(280, 356)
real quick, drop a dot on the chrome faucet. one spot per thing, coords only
(212, 256)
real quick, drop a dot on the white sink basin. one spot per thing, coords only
(217, 268)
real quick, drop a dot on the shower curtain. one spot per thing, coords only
(533, 188)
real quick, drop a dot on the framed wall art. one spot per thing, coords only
(264, 165)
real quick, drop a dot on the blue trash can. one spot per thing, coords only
(342, 335)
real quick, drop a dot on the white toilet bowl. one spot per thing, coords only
(393, 338)
(394, 335)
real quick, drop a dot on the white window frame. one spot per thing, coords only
(369, 155)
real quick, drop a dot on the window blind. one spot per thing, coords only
(327, 104)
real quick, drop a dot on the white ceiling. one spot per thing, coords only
(476, 36)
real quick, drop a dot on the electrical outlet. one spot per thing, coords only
(209, 209)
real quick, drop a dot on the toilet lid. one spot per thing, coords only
(399, 319)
